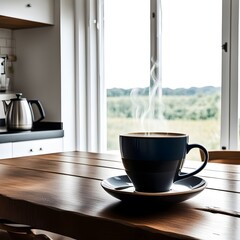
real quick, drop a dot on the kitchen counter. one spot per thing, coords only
(40, 130)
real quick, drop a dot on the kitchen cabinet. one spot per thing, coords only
(22, 13)
(44, 137)
(29, 148)
(5, 150)
(37, 147)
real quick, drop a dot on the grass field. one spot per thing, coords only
(204, 132)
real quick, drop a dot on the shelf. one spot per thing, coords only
(14, 23)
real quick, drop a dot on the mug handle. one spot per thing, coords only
(205, 152)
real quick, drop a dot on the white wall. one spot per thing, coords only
(45, 68)
(38, 69)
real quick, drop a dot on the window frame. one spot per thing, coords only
(91, 92)
(229, 94)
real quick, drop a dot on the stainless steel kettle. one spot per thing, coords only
(19, 113)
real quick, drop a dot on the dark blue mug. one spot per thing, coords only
(153, 160)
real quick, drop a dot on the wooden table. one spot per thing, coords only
(62, 193)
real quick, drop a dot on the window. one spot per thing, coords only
(127, 63)
(178, 42)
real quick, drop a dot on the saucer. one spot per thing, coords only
(122, 188)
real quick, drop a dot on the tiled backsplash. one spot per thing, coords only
(7, 44)
(7, 47)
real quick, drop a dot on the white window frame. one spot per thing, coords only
(91, 92)
(229, 95)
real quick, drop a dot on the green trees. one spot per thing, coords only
(187, 104)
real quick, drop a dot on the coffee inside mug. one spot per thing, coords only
(153, 160)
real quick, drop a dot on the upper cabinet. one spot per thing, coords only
(17, 14)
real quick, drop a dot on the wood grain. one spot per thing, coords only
(62, 193)
(15, 23)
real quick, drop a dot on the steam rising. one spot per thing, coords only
(150, 111)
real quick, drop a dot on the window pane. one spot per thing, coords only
(191, 69)
(127, 59)
(127, 43)
(191, 59)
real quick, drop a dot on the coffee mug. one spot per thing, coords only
(153, 160)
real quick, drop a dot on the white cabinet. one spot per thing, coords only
(32, 10)
(37, 147)
(28, 148)
(5, 150)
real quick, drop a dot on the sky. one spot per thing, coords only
(191, 43)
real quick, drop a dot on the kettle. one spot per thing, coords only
(19, 113)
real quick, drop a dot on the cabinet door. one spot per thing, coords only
(37, 147)
(32, 10)
(5, 150)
